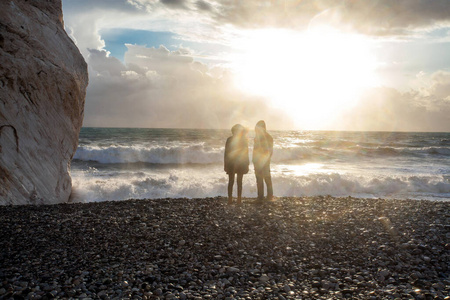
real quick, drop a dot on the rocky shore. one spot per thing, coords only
(291, 248)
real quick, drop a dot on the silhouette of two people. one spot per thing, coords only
(237, 162)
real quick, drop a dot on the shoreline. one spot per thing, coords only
(307, 247)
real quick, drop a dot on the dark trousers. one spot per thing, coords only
(263, 175)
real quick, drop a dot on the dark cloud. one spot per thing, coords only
(383, 17)
(203, 5)
(174, 3)
(376, 17)
(79, 6)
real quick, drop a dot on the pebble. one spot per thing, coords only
(310, 247)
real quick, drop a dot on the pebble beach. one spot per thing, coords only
(290, 248)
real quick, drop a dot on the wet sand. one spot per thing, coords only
(291, 248)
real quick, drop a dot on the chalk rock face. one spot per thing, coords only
(43, 80)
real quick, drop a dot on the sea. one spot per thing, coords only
(136, 163)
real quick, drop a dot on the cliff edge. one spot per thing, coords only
(43, 80)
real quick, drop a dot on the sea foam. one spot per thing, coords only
(203, 154)
(200, 183)
(196, 154)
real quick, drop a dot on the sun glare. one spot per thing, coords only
(311, 75)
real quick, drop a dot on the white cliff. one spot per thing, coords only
(43, 80)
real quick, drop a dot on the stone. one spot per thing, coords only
(102, 295)
(158, 292)
(326, 284)
(232, 270)
(43, 80)
(384, 273)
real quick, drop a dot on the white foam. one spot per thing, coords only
(154, 155)
(204, 154)
(364, 186)
(211, 182)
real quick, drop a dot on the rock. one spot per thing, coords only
(158, 292)
(43, 80)
(264, 278)
(102, 295)
(326, 284)
(384, 273)
(232, 270)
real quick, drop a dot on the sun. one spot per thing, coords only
(312, 76)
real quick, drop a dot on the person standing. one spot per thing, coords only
(236, 160)
(262, 153)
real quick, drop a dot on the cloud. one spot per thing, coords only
(83, 6)
(203, 5)
(387, 109)
(373, 17)
(156, 87)
(160, 60)
(161, 88)
(377, 17)
(384, 17)
(174, 3)
(439, 87)
(99, 60)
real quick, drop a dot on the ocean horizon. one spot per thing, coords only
(136, 163)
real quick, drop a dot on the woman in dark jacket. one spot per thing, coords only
(236, 160)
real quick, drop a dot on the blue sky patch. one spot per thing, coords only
(116, 38)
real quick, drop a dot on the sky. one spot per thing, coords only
(377, 65)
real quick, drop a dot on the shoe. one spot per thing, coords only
(273, 198)
(258, 201)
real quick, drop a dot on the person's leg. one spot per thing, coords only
(230, 187)
(260, 185)
(268, 180)
(239, 187)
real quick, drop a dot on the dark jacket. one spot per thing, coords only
(262, 150)
(236, 155)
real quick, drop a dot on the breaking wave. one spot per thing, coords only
(119, 164)
(88, 186)
(192, 154)
(201, 154)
